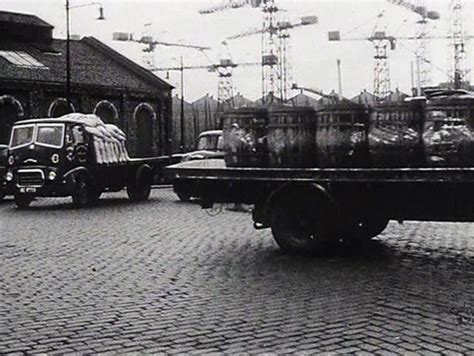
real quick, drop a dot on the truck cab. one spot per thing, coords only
(210, 145)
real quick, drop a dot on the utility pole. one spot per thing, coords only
(68, 43)
(339, 79)
(182, 103)
(68, 58)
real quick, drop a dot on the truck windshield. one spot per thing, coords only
(210, 143)
(22, 136)
(50, 135)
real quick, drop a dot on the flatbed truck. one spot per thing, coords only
(308, 209)
(69, 156)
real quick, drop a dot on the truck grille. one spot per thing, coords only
(30, 178)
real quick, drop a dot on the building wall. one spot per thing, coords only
(120, 105)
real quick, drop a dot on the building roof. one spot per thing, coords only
(240, 101)
(25, 19)
(365, 97)
(302, 99)
(92, 63)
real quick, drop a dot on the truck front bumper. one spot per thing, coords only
(37, 181)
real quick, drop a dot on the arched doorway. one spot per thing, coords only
(59, 107)
(106, 111)
(144, 116)
(11, 110)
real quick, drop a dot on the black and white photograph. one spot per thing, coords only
(237, 177)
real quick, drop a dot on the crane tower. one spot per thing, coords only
(271, 80)
(460, 70)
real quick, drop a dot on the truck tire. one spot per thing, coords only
(83, 192)
(302, 223)
(140, 189)
(367, 228)
(183, 191)
(23, 201)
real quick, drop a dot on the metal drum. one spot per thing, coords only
(290, 137)
(448, 132)
(245, 137)
(395, 135)
(341, 135)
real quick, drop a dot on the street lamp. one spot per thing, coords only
(68, 39)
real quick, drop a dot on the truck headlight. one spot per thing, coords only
(9, 176)
(52, 175)
(11, 160)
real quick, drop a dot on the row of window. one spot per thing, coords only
(104, 109)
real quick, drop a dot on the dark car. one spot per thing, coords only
(3, 163)
(210, 144)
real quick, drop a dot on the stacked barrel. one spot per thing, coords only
(431, 132)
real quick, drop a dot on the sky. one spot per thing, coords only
(313, 58)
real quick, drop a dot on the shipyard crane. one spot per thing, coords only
(422, 37)
(276, 63)
(382, 44)
(151, 44)
(230, 4)
(275, 44)
(224, 69)
(460, 69)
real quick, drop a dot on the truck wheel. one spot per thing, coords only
(141, 189)
(368, 227)
(82, 195)
(302, 224)
(183, 191)
(23, 201)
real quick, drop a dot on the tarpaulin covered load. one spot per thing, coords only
(395, 135)
(448, 133)
(341, 135)
(109, 141)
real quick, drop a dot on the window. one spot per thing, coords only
(78, 134)
(210, 143)
(22, 136)
(50, 135)
(21, 59)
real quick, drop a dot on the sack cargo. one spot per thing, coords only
(290, 136)
(245, 137)
(448, 132)
(341, 135)
(394, 137)
(108, 140)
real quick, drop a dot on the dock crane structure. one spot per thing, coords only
(276, 81)
(224, 69)
(382, 44)
(151, 44)
(460, 70)
(422, 37)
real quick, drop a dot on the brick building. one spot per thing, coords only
(33, 77)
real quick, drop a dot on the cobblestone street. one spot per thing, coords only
(164, 276)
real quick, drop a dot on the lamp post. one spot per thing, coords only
(68, 40)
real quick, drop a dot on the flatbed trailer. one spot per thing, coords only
(307, 208)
